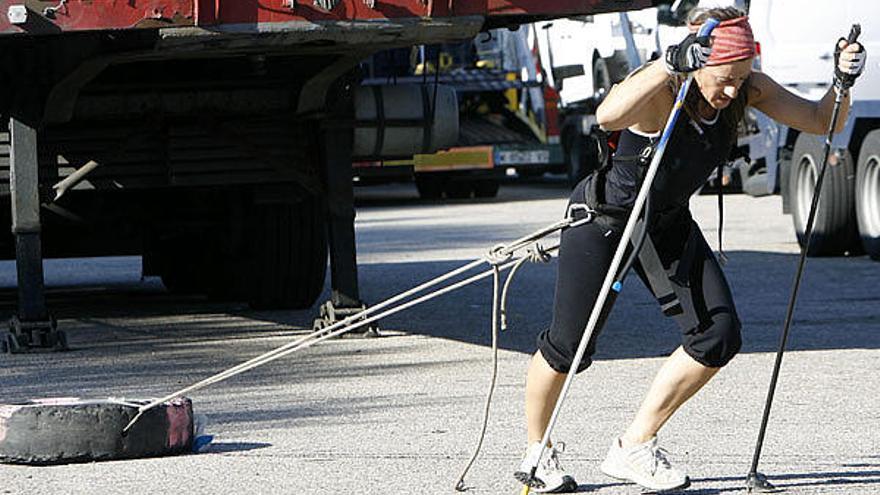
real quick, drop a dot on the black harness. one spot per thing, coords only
(596, 209)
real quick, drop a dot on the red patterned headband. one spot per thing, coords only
(732, 40)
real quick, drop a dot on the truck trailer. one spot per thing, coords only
(213, 137)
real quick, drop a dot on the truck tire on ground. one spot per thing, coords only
(288, 255)
(61, 431)
(458, 189)
(868, 194)
(429, 186)
(486, 188)
(834, 230)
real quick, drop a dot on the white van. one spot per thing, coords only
(797, 40)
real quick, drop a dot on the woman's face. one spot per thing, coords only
(720, 84)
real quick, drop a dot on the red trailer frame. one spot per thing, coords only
(47, 17)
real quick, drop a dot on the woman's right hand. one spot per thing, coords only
(689, 55)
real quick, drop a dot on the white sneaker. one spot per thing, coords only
(645, 464)
(549, 471)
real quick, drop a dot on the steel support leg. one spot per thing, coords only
(345, 296)
(340, 202)
(32, 329)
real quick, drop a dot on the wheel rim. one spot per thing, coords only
(869, 200)
(806, 183)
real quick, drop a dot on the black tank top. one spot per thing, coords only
(695, 149)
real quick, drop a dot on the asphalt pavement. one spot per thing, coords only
(401, 413)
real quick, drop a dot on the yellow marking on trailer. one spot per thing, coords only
(397, 163)
(465, 157)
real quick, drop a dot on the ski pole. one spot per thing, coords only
(611, 281)
(756, 481)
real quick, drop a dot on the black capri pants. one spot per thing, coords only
(710, 327)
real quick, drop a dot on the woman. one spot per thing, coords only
(691, 286)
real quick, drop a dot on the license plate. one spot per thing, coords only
(522, 157)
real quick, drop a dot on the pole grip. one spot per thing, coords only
(854, 33)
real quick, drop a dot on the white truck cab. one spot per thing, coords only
(587, 54)
(797, 50)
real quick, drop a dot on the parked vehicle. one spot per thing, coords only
(800, 56)
(501, 114)
(582, 58)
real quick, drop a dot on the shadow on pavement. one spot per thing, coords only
(231, 447)
(790, 482)
(837, 306)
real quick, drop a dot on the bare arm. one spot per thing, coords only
(640, 101)
(790, 109)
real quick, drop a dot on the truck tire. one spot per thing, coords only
(834, 230)
(486, 188)
(62, 431)
(458, 189)
(288, 255)
(868, 194)
(429, 186)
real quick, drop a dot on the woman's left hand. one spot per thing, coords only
(849, 62)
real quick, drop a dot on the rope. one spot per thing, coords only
(459, 485)
(536, 254)
(498, 255)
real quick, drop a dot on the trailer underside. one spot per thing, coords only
(214, 138)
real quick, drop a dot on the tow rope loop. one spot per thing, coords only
(535, 254)
(499, 256)
(459, 485)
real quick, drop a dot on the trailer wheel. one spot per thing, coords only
(486, 188)
(288, 255)
(429, 186)
(834, 230)
(458, 189)
(868, 194)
